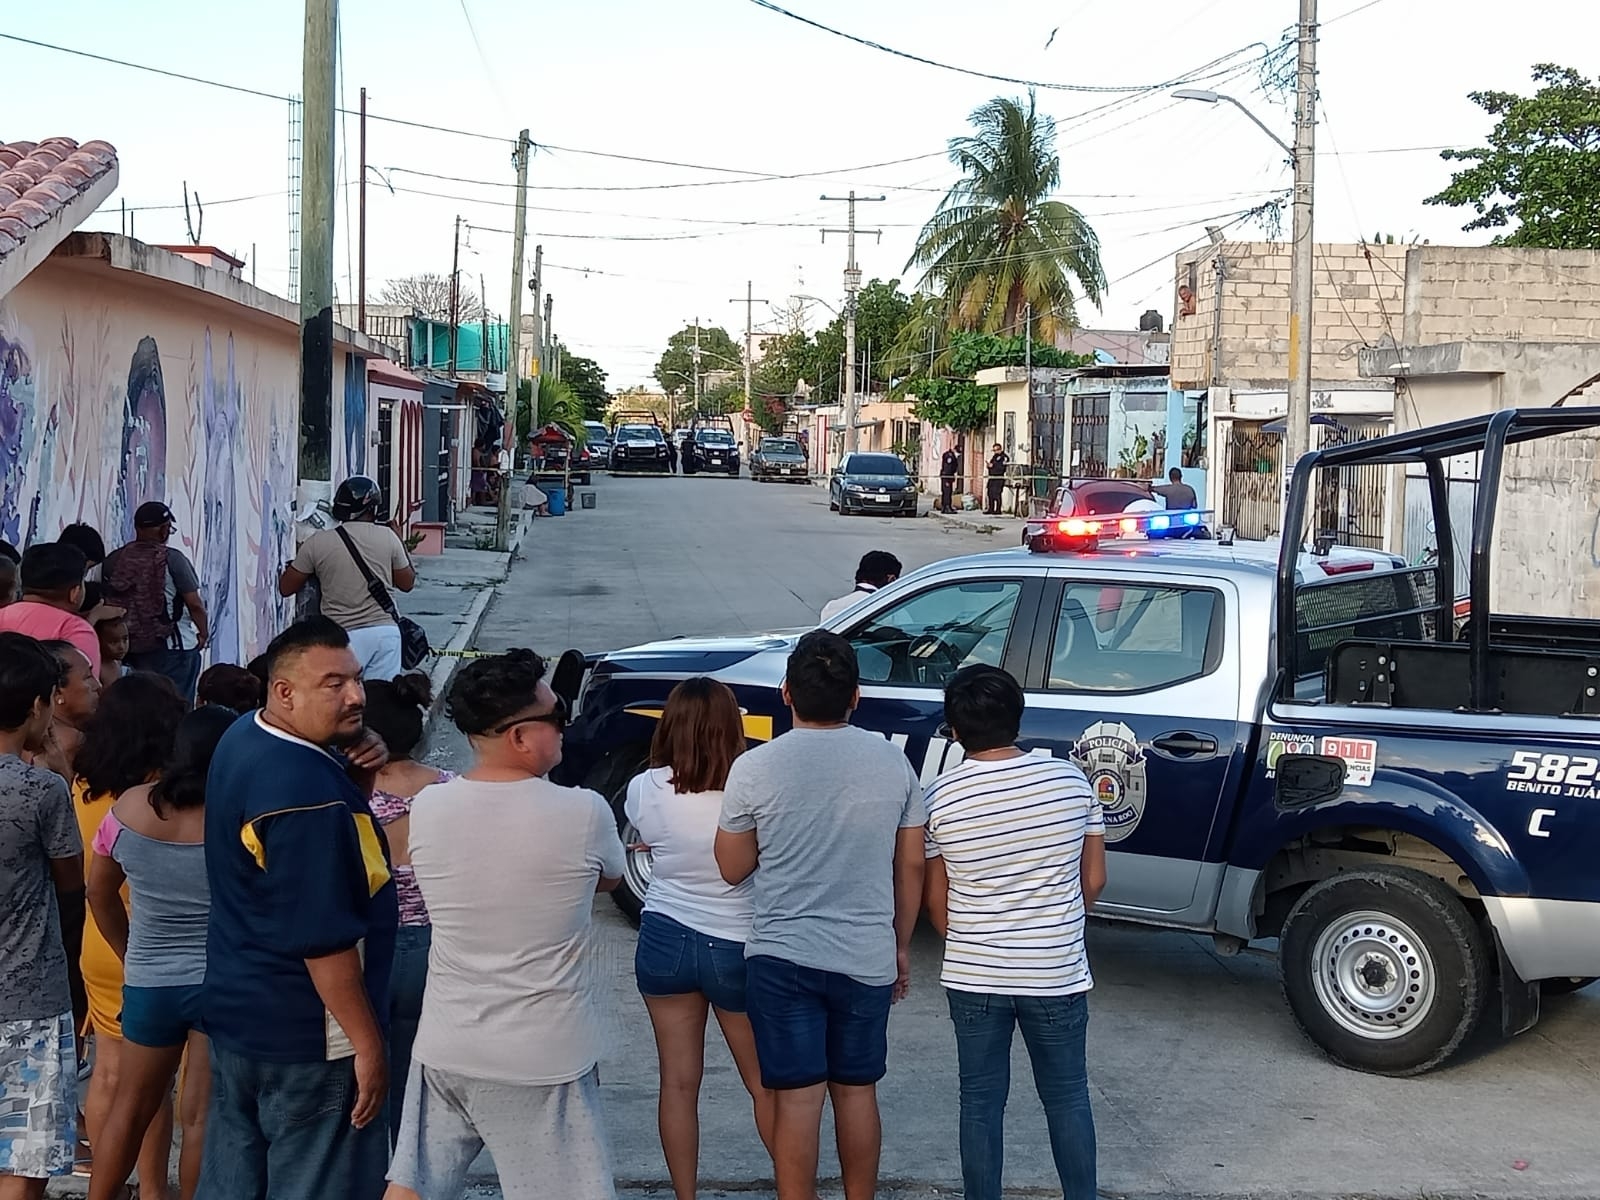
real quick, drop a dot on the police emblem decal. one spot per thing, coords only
(1111, 757)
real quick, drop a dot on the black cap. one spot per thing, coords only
(152, 514)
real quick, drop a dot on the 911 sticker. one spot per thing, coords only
(1360, 757)
(1572, 776)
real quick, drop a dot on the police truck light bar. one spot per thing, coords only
(1084, 533)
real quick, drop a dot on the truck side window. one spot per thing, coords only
(1112, 637)
(924, 640)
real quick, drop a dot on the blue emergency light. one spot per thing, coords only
(1084, 533)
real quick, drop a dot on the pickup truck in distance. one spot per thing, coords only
(1298, 748)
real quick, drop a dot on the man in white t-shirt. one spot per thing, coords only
(508, 864)
(1016, 859)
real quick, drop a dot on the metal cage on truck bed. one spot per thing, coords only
(1404, 649)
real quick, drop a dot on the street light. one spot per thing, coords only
(1297, 425)
(1206, 97)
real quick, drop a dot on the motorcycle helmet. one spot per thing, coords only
(358, 498)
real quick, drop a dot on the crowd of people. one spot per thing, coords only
(361, 971)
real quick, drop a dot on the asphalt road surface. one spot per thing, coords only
(1201, 1084)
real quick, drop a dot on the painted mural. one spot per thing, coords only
(98, 416)
(355, 417)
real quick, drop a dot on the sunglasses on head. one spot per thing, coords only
(557, 716)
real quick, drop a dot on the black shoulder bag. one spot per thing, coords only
(414, 648)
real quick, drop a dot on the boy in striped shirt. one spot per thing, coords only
(1016, 858)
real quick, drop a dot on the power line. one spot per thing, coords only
(1030, 83)
(239, 88)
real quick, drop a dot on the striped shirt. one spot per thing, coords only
(1011, 835)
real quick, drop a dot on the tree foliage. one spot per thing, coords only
(429, 294)
(955, 401)
(586, 378)
(998, 244)
(1541, 169)
(718, 352)
(558, 405)
(881, 311)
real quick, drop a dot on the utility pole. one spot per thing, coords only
(361, 236)
(552, 360)
(694, 383)
(534, 285)
(455, 298)
(852, 286)
(750, 303)
(316, 248)
(547, 356)
(519, 157)
(1297, 426)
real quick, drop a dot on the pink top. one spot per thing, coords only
(388, 807)
(46, 623)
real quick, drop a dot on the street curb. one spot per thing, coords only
(449, 660)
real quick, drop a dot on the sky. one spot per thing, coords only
(739, 93)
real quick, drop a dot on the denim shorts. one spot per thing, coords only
(674, 960)
(160, 1016)
(817, 1026)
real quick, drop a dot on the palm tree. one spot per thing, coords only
(997, 244)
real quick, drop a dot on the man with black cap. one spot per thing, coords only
(157, 584)
(348, 597)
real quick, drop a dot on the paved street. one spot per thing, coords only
(1202, 1086)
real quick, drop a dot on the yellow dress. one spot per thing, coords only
(102, 969)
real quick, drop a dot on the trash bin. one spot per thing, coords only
(558, 502)
(586, 499)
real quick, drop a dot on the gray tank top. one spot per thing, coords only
(169, 899)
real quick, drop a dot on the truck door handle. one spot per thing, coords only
(1184, 744)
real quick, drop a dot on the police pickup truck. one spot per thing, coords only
(1290, 745)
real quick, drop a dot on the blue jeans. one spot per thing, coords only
(405, 1011)
(674, 960)
(277, 1131)
(816, 1026)
(1053, 1029)
(180, 666)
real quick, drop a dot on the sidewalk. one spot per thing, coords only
(454, 589)
(1006, 528)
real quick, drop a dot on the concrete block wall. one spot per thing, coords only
(1357, 301)
(1547, 553)
(1501, 293)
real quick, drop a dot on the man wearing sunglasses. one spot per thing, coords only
(508, 864)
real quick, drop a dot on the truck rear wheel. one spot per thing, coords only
(1384, 969)
(611, 778)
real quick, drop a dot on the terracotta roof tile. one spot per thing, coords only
(39, 179)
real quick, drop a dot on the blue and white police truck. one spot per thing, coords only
(1313, 747)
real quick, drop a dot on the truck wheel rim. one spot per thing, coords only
(1373, 975)
(637, 867)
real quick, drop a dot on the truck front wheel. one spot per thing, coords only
(1384, 969)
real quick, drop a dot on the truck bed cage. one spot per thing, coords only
(1488, 436)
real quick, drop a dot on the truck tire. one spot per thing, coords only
(1384, 969)
(610, 778)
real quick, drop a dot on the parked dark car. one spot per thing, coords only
(779, 458)
(872, 482)
(714, 450)
(639, 448)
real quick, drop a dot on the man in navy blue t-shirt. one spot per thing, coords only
(301, 936)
